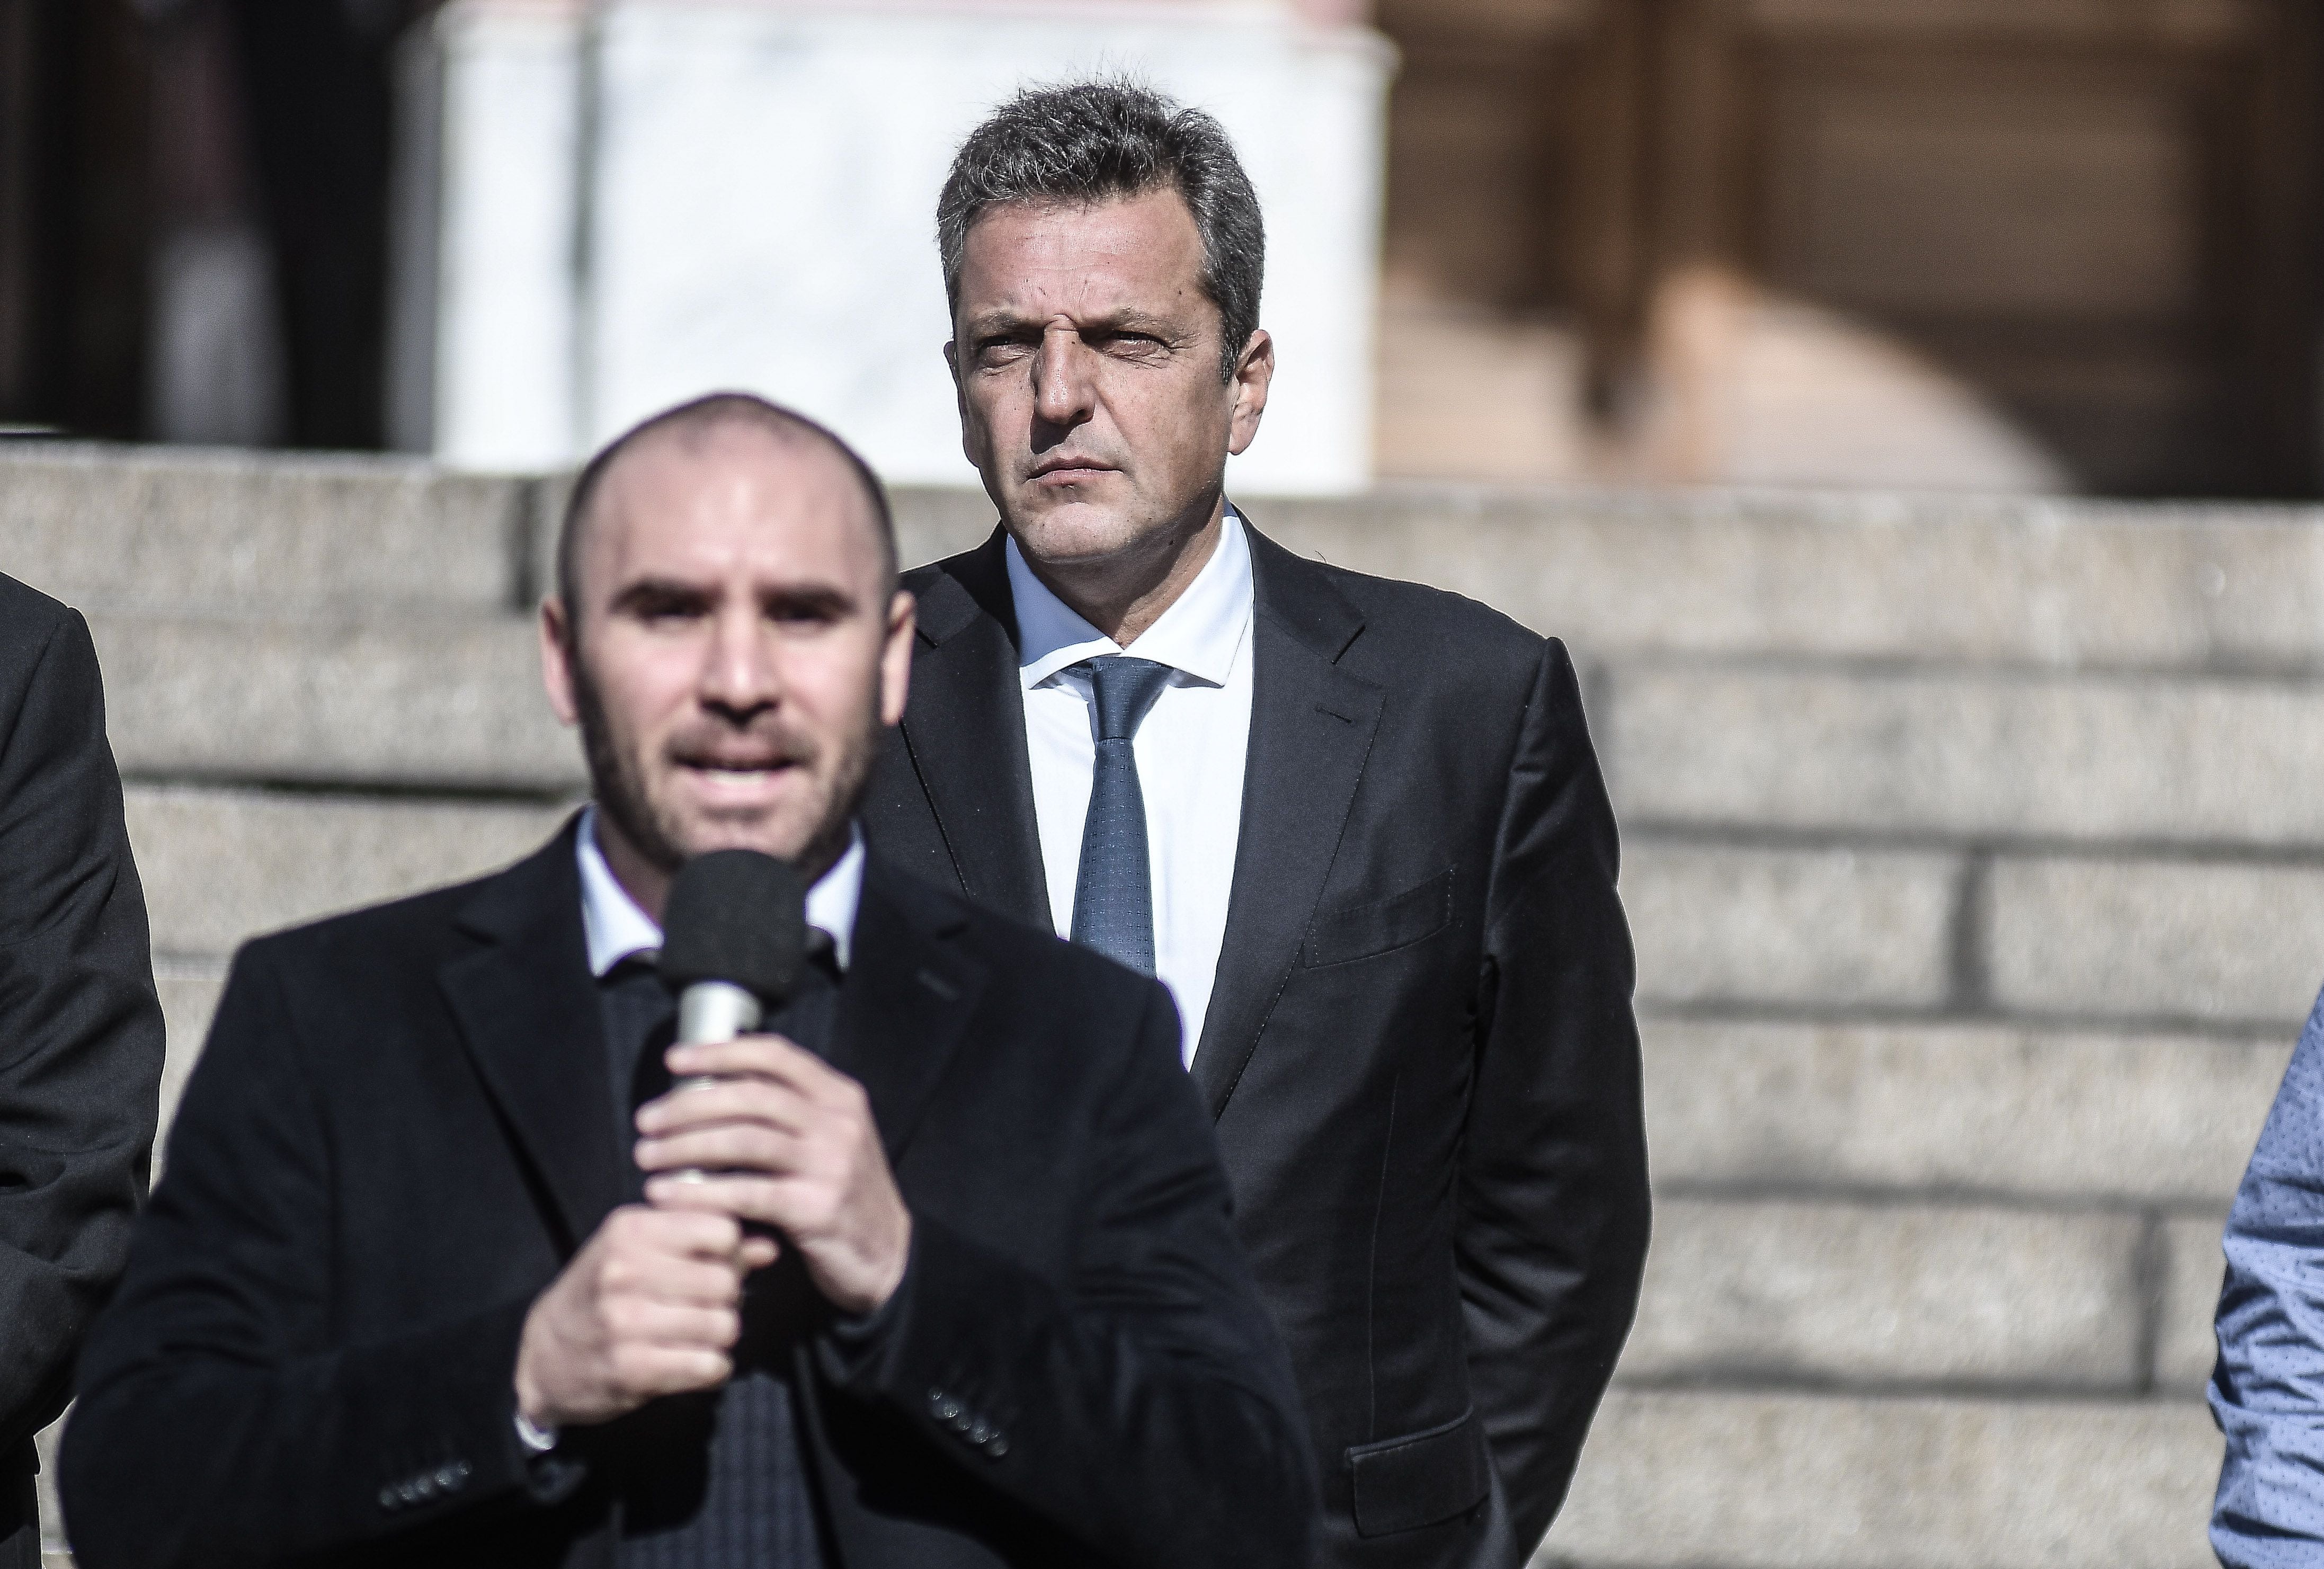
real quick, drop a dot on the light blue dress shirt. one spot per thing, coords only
(2267, 1389)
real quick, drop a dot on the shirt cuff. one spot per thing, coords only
(851, 1341)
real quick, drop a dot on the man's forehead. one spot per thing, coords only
(1023, 253)
(730, 493)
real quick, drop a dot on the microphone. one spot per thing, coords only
(733, 941)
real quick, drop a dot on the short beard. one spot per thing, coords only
(620, 790)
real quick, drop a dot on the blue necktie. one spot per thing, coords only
(1113, 897)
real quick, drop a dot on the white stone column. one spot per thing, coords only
(752, 202)
(484, 368)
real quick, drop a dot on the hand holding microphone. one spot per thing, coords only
(757, 1129)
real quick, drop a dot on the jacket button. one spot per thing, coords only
(995, 1447)
(935, 1399)
(950, 1410)
(979, 1431)
(448, 1478)
(387, 1499)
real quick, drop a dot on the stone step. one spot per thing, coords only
(174, 530)
(2163, 939)
(1753, 1293)
(2040, 582)
(2035, 582)
(222, 865)
(1993, 1111)
(1748, 1479)
(1967, 755)
(2159, 939)
(189, 992)
(1717, 924)
(2193, 1266)
(456, 699)
(439, 701)
(1718, 928)
(187, 531)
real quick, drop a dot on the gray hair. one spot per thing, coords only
(1096, 141)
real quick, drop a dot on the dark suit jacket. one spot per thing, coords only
(401, 1129)
(80, 1031)
(1420, 1052)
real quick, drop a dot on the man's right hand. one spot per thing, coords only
(651, 1306)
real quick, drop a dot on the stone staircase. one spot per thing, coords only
(1977, 876)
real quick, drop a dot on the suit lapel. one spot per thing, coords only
(1311, 730)
(906, 999)
(964, 729)
(527, 1010)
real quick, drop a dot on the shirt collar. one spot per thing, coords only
(617, 929)
(1200, 634)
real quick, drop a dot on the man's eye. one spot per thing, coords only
(1001, 350)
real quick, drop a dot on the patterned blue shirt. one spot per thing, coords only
(2267, 1389)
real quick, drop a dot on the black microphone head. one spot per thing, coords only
(737, 916)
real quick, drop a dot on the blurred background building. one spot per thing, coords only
(2046, 244)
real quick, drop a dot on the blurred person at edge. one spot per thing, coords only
(1355, 825)
(2267, 1387)
(960, 1290)
(80, 1031)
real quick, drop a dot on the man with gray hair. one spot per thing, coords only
(1355, 826)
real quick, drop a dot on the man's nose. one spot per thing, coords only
(1062, 394)
(741, 672)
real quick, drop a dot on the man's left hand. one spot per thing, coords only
(782, 1139)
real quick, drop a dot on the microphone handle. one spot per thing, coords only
(710, 1011)
(716, 1010)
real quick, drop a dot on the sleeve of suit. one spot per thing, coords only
(1554, 1207)
(81, 1030)
(218, 1422)
(1149, 1411)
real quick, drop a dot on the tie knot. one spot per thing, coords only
(1125, 689)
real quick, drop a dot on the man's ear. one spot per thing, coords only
(895, 657)
(557, 660)
(1254, 372)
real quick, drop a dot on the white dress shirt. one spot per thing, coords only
(616, 927)
(1190, 752)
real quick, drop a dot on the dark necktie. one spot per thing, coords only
(1113, 894)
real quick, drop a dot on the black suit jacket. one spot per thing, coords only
(81, 1030)
(1420, 1051)
(401, 1129)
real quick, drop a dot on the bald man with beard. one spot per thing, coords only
(935, 1271)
